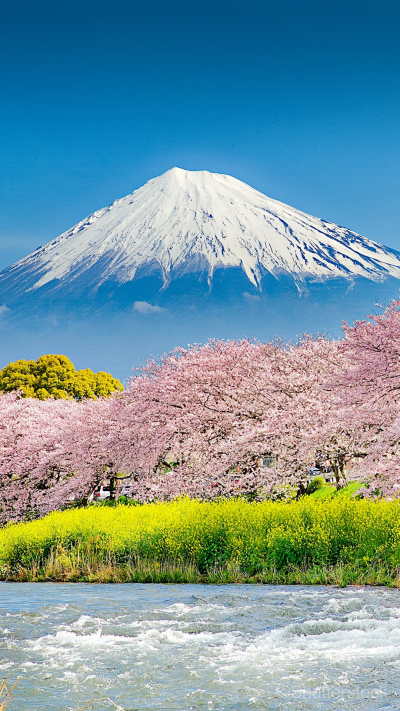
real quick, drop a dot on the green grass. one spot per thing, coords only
(338, 540)
(329, 491)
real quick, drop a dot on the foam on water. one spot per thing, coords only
(201, 647)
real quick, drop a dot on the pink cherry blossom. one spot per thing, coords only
(199, 421)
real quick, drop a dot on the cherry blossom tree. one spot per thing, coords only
(196, 422)
(214, 410)
(50, 451)
(370, 389)
(200, 420)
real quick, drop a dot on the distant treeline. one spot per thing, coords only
(201, 421)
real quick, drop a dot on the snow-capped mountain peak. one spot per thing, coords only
(194, 220)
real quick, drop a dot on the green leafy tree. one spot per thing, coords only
(315, 484)
(55, 376)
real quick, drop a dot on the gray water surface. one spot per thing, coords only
(182, 647)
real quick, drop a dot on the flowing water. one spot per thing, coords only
(220, 648)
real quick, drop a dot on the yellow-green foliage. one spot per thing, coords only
(328, 491)
(254, 537)
(55, 376)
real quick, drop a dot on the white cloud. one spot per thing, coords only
(252, 297)
(4, 310)
(143, 307)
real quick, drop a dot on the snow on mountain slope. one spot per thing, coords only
(189, 221)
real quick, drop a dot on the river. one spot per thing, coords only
(183, 647)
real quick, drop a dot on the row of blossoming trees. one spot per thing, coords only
(197, 421)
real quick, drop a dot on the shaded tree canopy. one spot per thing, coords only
(55, 376)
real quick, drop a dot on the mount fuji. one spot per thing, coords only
(188, 256)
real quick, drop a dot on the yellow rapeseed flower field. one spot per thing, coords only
(308, 541)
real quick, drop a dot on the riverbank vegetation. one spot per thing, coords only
(334, 541)
(5, 693)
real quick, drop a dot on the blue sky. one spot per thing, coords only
(300, 99)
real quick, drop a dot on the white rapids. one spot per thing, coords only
(193, 647)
